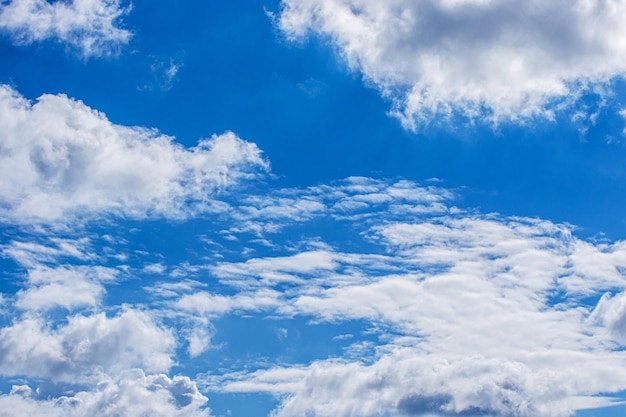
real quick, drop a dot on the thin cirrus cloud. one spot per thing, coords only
(90, 27)
(61, 158)
(500, 60)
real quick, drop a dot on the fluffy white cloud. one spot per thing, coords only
(61, 159)
(85, 346)
(89, 26)
(500, 59)
(131, 394)
(66, 287)
(409, 382)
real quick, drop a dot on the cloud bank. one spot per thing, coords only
(499, 60)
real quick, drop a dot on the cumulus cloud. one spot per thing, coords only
(408, 382)
(68, 287)
(61, 159)
(85, 346)
(131, 394)
(89, 26)
(501, 59)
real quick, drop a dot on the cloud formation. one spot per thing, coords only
(466, 313)
(476, 314)
(61, 158)
(495, 59)
(85, 347)
(89, 26)
(132, 394)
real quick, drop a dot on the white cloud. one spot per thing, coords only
(154, 268)
(499, 59)
(61, 159)
(131, 394)
(410, 382)
(31, 253)
(85, 346)
(89, 26)
(69, 287)
(215, 305)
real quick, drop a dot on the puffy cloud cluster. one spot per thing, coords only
(62, 159)
(89, 26)
(495, 59)
(85, 346)
(131, 394)
(88, 361)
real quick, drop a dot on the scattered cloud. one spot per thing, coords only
(62, 159)
(500, 60)
(475, 314)
(467, 313)
(90, 27)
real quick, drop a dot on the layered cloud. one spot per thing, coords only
(61, 158)
(92, 27)
(499, 60)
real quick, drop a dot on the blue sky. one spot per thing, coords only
(312, 208)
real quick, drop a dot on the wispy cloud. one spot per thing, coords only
(91, 27)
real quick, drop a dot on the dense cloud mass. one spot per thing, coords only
(496, 59)
(89, 26)
(61, 158)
